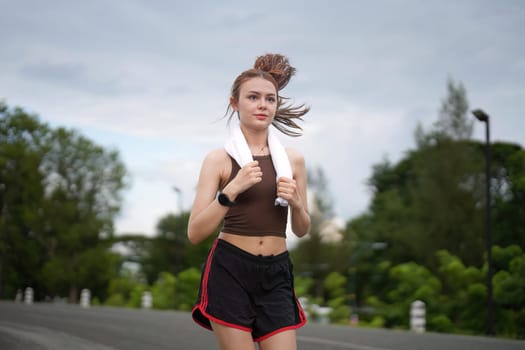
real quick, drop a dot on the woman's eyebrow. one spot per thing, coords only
(258, 93)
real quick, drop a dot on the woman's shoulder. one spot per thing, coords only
(294, 155)
(217, 156)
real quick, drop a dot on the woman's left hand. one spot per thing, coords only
(287, 189)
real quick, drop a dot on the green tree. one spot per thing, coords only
(170, 249)
(83, 194)
(314, 256)
(464, 293)
(508, 193)
(509, 290)
(335, 285)
(452, 121)
(448, 185)
(23, 141)
(59, 193)
(164, 290)
(187, 288)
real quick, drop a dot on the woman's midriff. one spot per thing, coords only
(256, 245)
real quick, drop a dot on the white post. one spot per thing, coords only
(418, 316)
(85, 298)
(28, 295)
(146, 300)
(19, 296)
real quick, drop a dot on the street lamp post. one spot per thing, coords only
(179, 198)
(484, 117)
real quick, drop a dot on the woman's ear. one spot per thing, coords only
(233, 103)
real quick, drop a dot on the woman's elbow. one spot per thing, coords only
(301, 229)
(301, 233)
(193, 236)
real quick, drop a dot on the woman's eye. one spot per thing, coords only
(252, 97)
(271, 99)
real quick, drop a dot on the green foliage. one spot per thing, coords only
(335, 285)
(22, 150)
(440, 323)
(309, 260)
(519, 321)
(501, 257)
(122, 286)
(170, 250)
(59, 193)
(302, 285)
(413, 282)
(376, 322)
(340, 313)
(429, 209)
(452, 120)
(125, 291)
(456, 295)
(187, 289)
(509, 290)
(135, 296)
(509, 286)
(116, 300)
(508, 189)
(163, 291)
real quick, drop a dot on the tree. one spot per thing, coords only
(59, 193)
(313, 256)
(508, 193)
(22, 149)
(432, 201)
(448, 183)
(83, 187)
(509, 289)
(453, 122)
(171, 251)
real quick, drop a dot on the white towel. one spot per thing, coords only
(237, 147)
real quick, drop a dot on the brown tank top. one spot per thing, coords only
(254, 212)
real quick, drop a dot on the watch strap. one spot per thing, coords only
(224, 200)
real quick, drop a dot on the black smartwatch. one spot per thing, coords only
(224, 200)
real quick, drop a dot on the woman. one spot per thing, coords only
(246, 291)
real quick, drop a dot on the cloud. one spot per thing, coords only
(70, 75)
(152, 79)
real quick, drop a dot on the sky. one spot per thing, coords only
(151, 79)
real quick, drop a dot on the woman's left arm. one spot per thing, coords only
(294, 191)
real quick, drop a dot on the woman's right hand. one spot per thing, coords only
(249, 175)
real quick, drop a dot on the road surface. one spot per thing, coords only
(59, 326)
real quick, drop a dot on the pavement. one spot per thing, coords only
(46, 326)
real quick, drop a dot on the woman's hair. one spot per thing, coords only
(276, 69)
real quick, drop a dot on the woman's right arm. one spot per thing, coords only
(206, 212)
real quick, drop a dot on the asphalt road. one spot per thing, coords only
(57, 326)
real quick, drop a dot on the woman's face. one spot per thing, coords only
(257, 103)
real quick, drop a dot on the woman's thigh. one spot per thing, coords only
(230, 338)
(283, 340)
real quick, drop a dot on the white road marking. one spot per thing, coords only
(339, 344)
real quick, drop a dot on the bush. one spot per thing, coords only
(163, 291)
(440, 323)
(115, 300)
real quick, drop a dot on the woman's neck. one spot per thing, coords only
(255, 139)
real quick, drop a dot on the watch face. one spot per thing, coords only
(224, 200)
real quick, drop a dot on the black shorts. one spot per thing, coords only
(248, 292)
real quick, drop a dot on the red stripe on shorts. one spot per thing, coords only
(204, 296)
